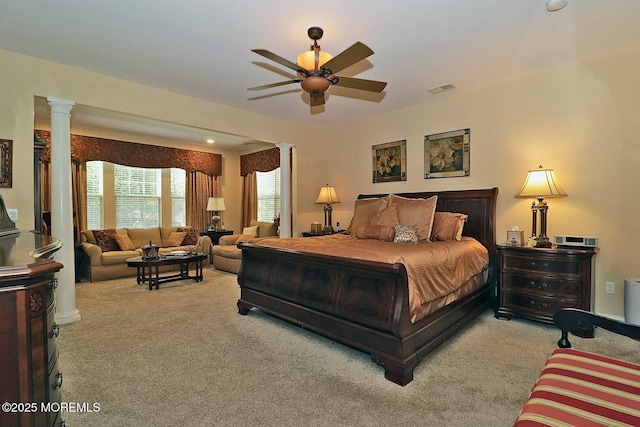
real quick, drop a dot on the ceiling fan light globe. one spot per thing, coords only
(307, 60)
(315, 84)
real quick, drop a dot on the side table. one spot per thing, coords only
(535, 283)
(216, 235)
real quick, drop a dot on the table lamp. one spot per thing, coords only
(540, 183)
(327, 196)
(215, 205)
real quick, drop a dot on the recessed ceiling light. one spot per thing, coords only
(442, 88)
(555, 5)
(210, 141)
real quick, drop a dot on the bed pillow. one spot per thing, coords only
(251, 231)
(418, 212)
(175, 239)
(124, 242)
(104, 239)
(387, 217)
(377, 232)
(405, 233)
(448, 226)
(363, 211)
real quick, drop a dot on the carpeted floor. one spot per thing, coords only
(182, 356)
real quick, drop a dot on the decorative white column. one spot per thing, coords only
(285, 189)
(62, 208)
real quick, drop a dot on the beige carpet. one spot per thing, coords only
(182, 356)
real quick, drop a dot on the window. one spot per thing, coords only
(268, 195)
(95, 211)
(137, 197)
(178, 201)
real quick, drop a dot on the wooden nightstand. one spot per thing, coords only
(534, 283)
(216, 235)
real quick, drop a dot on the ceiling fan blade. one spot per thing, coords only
(361, 84)
(317, 100)
(356, 53)
(280, 60)
(275, 84)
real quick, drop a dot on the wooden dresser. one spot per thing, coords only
(29, 377)
(535, 283)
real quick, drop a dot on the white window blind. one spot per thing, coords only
(95, 211)
(178, 201)
(268, 195)
(138, 196)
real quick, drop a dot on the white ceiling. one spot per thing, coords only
(203, 48)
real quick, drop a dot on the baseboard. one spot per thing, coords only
(612, 317)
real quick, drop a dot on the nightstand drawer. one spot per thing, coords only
(541, 284)
(550, 264)
(536, 305)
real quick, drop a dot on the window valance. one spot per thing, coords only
(261, 161)
(87, 148)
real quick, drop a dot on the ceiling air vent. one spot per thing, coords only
(442, 88)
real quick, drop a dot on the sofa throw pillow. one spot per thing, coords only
(251, 231)
(416, 212)
(104, 239)
(405, 233)
(265, 228)
(191, 236)
(448, 226)
(175, 239)
(124, 242)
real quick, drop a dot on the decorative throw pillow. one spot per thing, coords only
(405, 233)
(448, 226)
(175, 239)
(416, 212)
(104, 239)
(245, 238)
(387, 217)
(363, 211)
(252, 231)
(191, 238)
(377, 232)
(124, 242)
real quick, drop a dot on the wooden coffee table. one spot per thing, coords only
(145, 269)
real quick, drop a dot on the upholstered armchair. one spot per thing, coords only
(228, 257)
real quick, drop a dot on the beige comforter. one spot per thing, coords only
(435, 269)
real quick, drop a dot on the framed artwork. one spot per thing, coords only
(5, 163)
(390, 161)
(447, 154)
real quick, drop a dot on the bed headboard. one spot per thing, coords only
(480, 205)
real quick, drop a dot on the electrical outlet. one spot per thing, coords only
(13, 214)
(610, 287)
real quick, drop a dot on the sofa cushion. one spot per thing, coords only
(104, 239)
(229, 251)
(88, 236)
(165, 232)
(142, 236)
(124, 242)
(118, 257)
(251, 231)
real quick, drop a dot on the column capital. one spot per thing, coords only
(61, 105)
(284, 145)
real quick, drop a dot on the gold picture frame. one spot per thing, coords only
(390, 161)
(447, 154)
(5, 163)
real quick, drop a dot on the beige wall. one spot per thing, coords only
(581, 120)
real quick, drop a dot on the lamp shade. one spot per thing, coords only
(327, 195)
(541, 183)
(307, 59)
(215, 204)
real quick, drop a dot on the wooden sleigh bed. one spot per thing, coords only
(365, 304)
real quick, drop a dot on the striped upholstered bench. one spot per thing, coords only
(578, 388)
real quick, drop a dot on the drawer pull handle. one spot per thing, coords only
(53, 283)
(58, 382)
(534, 284)
(55, 331)
(534, 304)
(545, 265)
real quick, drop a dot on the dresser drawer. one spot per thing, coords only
(548, 264)
(536, 305)
(52, 334)
(541, 284)
(55, 383)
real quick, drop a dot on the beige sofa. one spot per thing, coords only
(99, 265)
(228, 257)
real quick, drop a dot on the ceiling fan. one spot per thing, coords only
(317, 69)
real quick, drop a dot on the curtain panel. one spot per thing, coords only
(87, 148)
